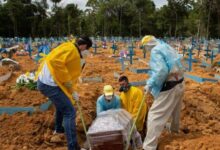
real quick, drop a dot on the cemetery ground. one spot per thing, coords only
(200, 114)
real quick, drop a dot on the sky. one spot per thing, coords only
(160, 3)
(81, 3)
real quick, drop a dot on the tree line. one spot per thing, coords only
(179, 18)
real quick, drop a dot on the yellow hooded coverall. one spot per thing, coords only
(131, 101)
(64, 65)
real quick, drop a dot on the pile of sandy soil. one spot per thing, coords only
(199, 119)
(10, 95)
(4, 70)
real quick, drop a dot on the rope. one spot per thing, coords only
(133, 126)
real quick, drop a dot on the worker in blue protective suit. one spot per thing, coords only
(108, 100)
(166, 86)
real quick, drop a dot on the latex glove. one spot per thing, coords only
(75, 96)
(68, 84)
(146, 89)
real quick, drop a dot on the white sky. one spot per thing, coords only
(81, 3)
(160, 3)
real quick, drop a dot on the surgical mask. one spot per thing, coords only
(85, 53)
(109, 98)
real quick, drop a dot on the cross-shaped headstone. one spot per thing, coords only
(95, 48)
(212, 57)
(207, 51)
(218, 47)
(184, 50)
(199, 49)
(131, 53)
(114, 47)
(144, 50)
(122, 63)
(190, 58)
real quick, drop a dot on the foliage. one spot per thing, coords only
(26, 80)
(110, 18)
(31, 85)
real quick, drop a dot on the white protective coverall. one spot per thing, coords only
(165, 68)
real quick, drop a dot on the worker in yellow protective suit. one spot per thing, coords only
(131, 98)
(57, 76)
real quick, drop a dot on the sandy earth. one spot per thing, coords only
(200, 118)
(10, 96)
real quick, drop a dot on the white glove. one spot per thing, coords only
(75, 96)
(146, 89)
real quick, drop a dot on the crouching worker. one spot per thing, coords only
(108, 100)
(57, 78)
(131, 98)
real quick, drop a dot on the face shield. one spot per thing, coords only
(150, 45)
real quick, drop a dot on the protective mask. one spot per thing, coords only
(85, 53)
(109, 98)
(124, 88)
(151, 44)
(148, 47)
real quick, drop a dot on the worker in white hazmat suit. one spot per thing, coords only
(166, 86)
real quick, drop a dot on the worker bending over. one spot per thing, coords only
(57, 77)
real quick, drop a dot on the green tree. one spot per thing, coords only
(56, 2)
(72, 14)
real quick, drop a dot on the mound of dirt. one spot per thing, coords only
(20, 97)
(199, 119)
(4, 70)
(191, 142)
(10, 96)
